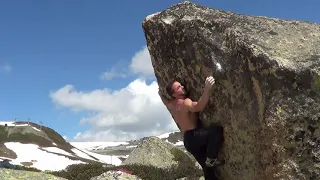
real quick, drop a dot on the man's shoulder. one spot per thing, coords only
(186, 101)
(184, 104)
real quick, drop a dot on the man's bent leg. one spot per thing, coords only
(215, 140)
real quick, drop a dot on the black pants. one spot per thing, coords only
(203, 143)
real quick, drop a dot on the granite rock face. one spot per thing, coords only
(267, 94)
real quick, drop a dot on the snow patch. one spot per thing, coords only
(179, 143)
(35, 128)
(57, 150)
(41, 160)
(9, 123)
(162, 136)
(166, 135)
(81, 154)
(96, 145)
(44, 159)
(114, 160)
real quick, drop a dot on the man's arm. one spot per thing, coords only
(194, 106)
(199, 106)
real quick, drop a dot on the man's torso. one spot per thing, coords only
(185, 119)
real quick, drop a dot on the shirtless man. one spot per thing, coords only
(202, 143)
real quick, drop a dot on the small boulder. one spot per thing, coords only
(115, 175)
(6, 164)
(153, 151)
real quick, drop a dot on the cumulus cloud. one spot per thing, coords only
(129, 113)
(140, 65)
(119, 70)
(112, 74)
(5, 68)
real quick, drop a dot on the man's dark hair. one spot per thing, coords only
(169, 88)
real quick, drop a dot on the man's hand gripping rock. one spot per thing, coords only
(209, 83)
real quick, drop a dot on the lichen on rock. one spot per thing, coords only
(267, 95)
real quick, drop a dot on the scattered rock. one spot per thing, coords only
(26, 175)
(6, 164)
(27, 164)
(115, 175)
(267, 94)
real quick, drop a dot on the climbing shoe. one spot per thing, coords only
(214, 162)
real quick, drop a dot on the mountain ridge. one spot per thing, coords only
(17, 138)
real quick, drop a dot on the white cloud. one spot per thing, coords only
(117, 71)
(140, 64)
(5, 68)
(132, 112)
(112, 74)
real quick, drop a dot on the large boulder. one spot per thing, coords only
(26, 175)
(267, 94)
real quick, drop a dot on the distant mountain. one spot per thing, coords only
(123, 149)
(30, 144)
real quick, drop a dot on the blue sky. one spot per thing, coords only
(46, 45)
